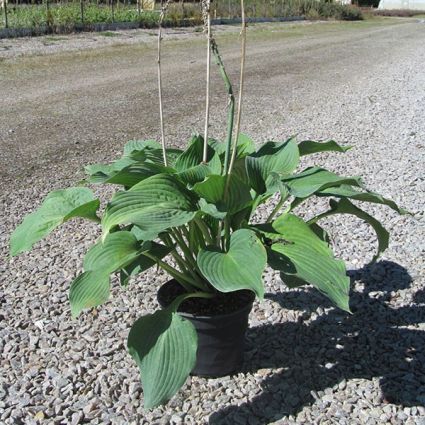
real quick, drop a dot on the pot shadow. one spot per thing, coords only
(377, 340)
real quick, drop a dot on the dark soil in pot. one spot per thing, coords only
(221, 324)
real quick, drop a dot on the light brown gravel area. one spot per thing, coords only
(306, 362)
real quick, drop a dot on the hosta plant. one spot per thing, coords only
(190, 212)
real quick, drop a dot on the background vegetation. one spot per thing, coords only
(65, 16)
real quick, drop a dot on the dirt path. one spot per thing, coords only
(63, 108)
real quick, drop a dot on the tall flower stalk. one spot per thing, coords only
(164, 7)
(206, 13)
(241, 86)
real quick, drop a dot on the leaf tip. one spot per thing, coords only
(75, 311)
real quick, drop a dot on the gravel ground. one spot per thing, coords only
(306, 362)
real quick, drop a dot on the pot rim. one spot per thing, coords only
(246, 307)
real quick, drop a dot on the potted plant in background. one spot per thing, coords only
(190, 212)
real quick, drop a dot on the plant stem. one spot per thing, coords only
(319, 217)
(164, 7)
(241, 85)
(220, 228)
(231, 112)
(182, 263)
(179, 259)
(186, 234)
(204, 229)
(226, 234)
(275, 210)
(176, 303)
(183, 246)
(184, 280)
(195, 240)
(207, 17)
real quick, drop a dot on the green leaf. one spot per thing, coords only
(308, 147)
(213, 191)
(156, 156)
(304, 256)
(143, 235)
(189, 164)
(316, 179)
(154, 205)
(211, 210)
(143, 263)
(98, 172)
(193, 155)
(137, 172)
(321, 233)
(164, 347)
(219, 147)
(277, 261)
(58, 207)
(344, 206)
(140, 145)
(117, 250)
(239, 170)
(274, 185)
(246, 146)
(89, 289)
(199, 172)
(239, 268)
(345, 191)
(122, 163)
(281, 158)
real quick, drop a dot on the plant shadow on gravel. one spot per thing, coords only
(334, 348)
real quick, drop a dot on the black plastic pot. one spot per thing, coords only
(221, 338)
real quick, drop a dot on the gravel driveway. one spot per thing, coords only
(362, 84)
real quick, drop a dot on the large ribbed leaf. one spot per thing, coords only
(315, 179)
(211, 210)
(156, 156)
(239, 268)
(345, 191)
(193, 155)
(140, 145)
(199, 172)
(189, 164)
(246, 146)
(142, 263)
(274, 185)
(98, 173)
(135, 173)
(344, 206)
(239, 170)
(307, 147)
(281, 158)
(213, 190)
(117, 250)
(58, 207)
(155, 204)
(164, 347)
(304, 256)
(91, 288)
